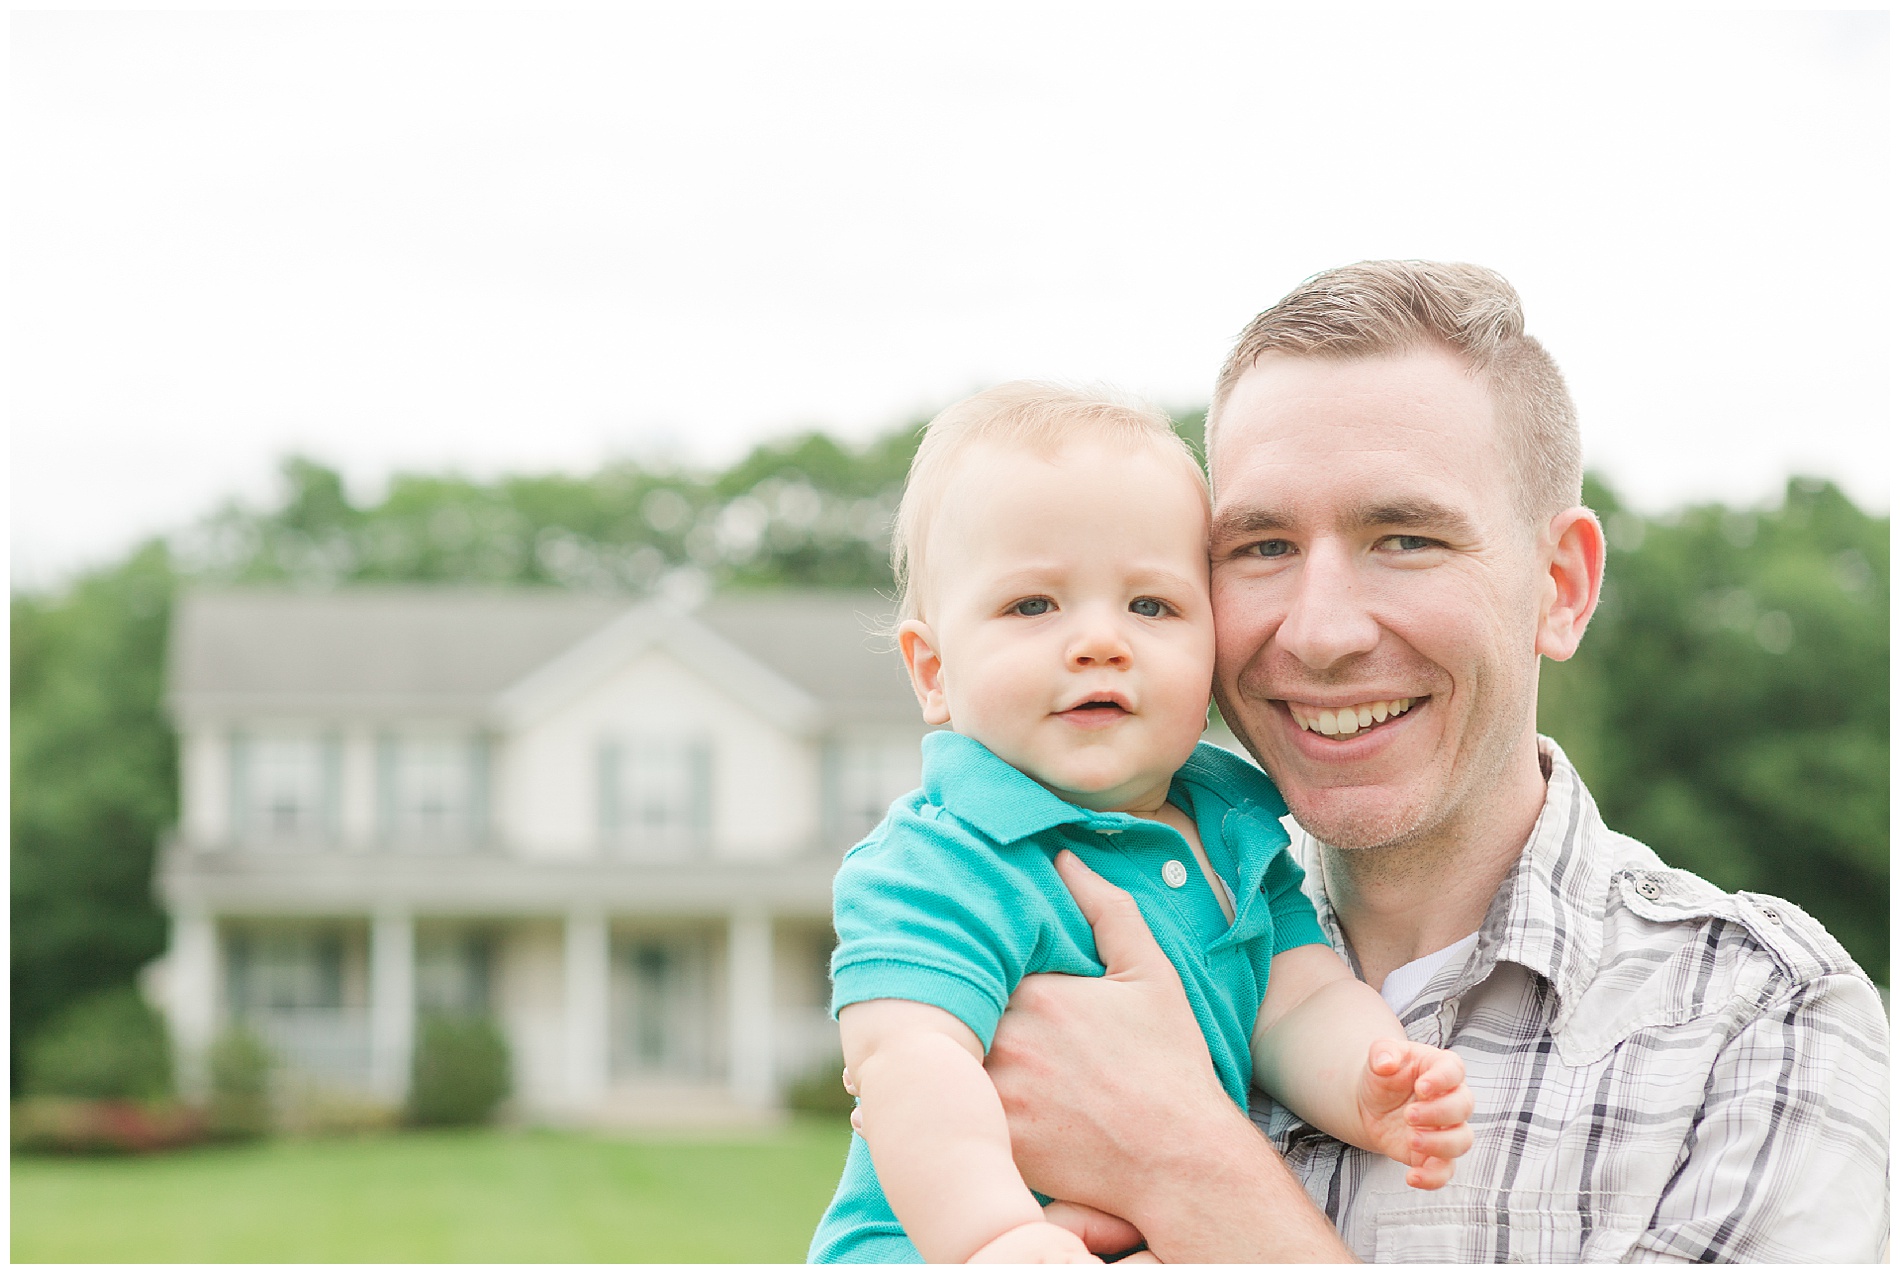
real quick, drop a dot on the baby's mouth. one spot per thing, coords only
(1347, 720)
(1105, 708)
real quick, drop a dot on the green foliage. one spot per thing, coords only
(820, 1091)
(110, 1044)
(93, 785)
(806, 512)
(1729, 703)
(240, 1085)
(461, 1071)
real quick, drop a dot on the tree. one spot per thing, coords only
(1728, 706)
(93, 786)
(1729, 703)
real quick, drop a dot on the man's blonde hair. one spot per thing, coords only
(1395, 307)
(1035, 416)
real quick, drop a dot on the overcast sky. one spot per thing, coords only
(491, 242)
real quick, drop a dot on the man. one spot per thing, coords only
(1662, 1071)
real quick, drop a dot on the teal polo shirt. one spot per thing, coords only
(954, 899)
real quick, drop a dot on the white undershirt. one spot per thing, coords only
(1403, 984)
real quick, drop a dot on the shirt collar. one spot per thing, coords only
(1006, 805)
(990, 794)
(1548, 913)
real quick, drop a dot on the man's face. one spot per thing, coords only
(1067, 625)
(1376, 596)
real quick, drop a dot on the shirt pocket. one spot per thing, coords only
(1528, 1227)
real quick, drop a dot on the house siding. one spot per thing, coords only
(629, 983)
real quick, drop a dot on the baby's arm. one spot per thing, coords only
(939, 1141)
(1330, 1050)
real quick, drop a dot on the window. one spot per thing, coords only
(290, 971)
(660, 1024)
(655, 795)
(284, 787)
(454, 972)
(863, 777)
(433, 789)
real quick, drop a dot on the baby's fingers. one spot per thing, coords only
(1429, 1175)
(1441, 1112)
(1394, 1069)
(1439, 1143)
(1440, 1071)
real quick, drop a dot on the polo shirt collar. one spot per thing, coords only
(1250, 827)
(990, 794)
(1006, 805)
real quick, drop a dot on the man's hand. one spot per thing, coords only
(1096, 1074)
(1113, 1102)
(1415, 1106)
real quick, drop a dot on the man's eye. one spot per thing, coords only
(1270, 548)
(1032, 606)
(1408, 543)
(1149, 607)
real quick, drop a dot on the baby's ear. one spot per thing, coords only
(925, 666)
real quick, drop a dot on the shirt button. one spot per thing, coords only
(1649, 887)
(1174, 873)
(1774, 917)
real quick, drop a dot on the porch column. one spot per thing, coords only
(191, 997)
(749, 997)
(586, 970)
(392, 1002)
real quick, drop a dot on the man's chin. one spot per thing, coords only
(1354, 819)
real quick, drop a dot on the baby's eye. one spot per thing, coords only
(1149, 607)
(1032, 606)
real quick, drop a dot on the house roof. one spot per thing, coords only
(454, 652)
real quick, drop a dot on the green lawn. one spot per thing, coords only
(439, 1196)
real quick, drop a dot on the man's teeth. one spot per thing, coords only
(1343, 723)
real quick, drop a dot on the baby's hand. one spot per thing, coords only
(1037, 1243)
(1415, 1106)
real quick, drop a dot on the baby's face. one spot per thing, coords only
(1066, 607)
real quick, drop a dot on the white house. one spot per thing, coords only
(611, 826)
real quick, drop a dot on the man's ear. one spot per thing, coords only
(925, 666)
(1573, 552)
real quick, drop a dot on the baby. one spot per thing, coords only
(1051, 553)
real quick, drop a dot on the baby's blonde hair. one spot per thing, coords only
(1036, 416)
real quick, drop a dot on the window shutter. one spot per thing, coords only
(387, 797)
(699, 759)
(330, 792)
(609, 792)
(240, 786)
(478, 815)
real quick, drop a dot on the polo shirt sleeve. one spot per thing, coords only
(937, 919)
(1295, 923)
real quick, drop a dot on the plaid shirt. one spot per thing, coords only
(1663, 1072)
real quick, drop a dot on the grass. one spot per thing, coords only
(476, 1196)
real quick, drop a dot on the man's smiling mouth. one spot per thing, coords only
(1345, 721)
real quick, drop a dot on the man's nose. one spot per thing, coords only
(1098, 641)
(1327, 620)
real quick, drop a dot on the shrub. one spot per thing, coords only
(240, 1085)
(461, 1071)
(821, 1091)
(109, 1045)
(68, 1125)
